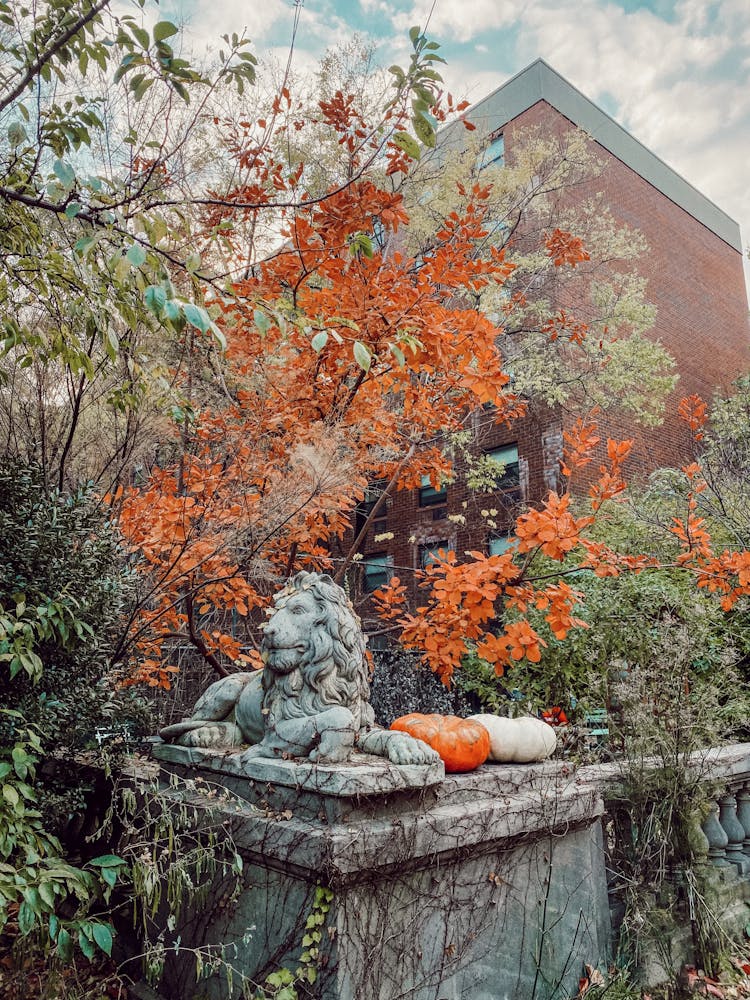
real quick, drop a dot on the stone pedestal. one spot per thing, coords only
(485, 885)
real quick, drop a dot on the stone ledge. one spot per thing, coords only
(363, 775)
(729, 764)
(346, 837)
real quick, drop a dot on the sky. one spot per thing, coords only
(674, 73)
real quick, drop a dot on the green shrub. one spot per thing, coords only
(63, 601)
(63, 597)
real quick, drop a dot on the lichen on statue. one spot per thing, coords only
(311, 698)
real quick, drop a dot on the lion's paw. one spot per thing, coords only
(259, 751)
(405, 749)
(220, 734)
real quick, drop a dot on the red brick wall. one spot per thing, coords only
(696, 282)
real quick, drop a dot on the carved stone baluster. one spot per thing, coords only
(697, 838)
(743, 815)
(735, 833)
(717, 839)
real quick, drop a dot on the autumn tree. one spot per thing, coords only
(352, 351)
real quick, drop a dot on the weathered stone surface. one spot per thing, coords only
(485, 886)
(464, 888)
(362, 774)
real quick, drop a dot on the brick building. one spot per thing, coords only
(695, 279)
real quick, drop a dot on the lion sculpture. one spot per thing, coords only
(311, 698)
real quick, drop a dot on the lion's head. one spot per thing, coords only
(314, 653)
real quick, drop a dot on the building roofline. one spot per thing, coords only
(539, 82)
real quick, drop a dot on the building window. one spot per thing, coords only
(429, 496)
(507, 456)
(498, 544)
(364, 508)
(428, 554)
(493, 153)
(378, 569)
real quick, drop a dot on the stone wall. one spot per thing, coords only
(482, 886)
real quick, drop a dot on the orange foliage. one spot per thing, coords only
(564, 248)
(611, 481)
(694, 412)
(580, 442)
(553, 529)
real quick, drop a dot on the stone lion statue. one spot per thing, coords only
(311, 698)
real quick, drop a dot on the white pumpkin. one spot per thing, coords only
(518, 741)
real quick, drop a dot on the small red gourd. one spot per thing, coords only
(462, 744)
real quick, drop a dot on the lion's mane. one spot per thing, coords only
(332, 669)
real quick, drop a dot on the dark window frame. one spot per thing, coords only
(430, 497)
(371, 578)
(511, 479)
(427, 549)
(498, 141)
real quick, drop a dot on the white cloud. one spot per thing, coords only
(669, 82)
(460, 20)
(377, 7)
(207, 22)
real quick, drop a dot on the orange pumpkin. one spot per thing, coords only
(462, 744)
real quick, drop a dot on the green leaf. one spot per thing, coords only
(261, 321)
(172, 310)
(111, 342)
(197, 316)
(319, 341)
(164, 29)
(83, 245)
(362, 355)
(64, 945)
(103, 937)
(283, 977)
(73, 209)
(424, 130)
(141, 87)
(64, 173)
(107, 861)
(156, 299)
(10, 794)
(47, 893)
(409, 144)
(398, 354)
(140, 35)
(219, 336)
(84, 943)
(363, 244)
(136, 255)
(110, 876)
(26, 918)
(414, 33)
(20, 762)
(16, 134)
(180, 91)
